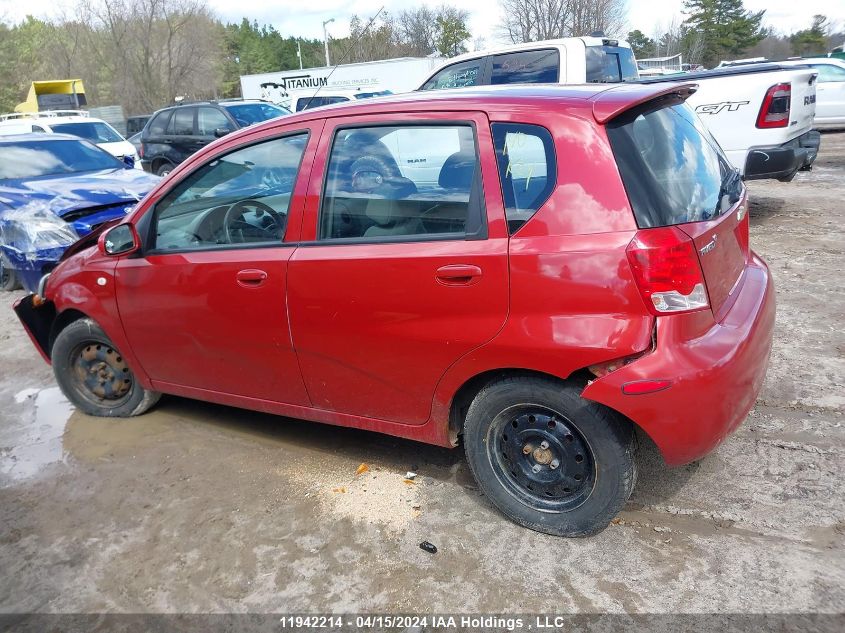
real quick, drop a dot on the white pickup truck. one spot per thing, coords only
(762, 116)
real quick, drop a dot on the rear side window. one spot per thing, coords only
(458, 75)
(672, 168)
(403, 182)
(159, 123)
(527, 67)
(527, 169)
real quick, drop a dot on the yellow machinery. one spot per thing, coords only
(62, 94)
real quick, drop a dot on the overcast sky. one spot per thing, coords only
(305, 18)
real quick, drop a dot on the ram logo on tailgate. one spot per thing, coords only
(808, 100)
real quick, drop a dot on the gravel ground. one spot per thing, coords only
(202, 508)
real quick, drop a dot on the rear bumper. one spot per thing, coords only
(715, 376)
(782, 162)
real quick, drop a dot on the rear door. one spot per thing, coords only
(181, 137)
(400, 273)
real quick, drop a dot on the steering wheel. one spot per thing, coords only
(234, 217)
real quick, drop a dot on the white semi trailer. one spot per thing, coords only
(319, 86)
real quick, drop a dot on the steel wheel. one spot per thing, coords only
(541, 457)
(100, 374)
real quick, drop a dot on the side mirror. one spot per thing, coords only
(129, 161)
(221, 131)
(119, 240)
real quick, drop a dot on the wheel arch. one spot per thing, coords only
(465, 394)
(62, 320)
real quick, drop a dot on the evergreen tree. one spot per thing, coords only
(642, 45)
(811, 41)
(725, 27)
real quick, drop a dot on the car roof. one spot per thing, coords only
(530, 46)
(601, 101)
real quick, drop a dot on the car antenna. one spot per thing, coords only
(343, 57)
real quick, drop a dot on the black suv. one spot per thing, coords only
(172, 134)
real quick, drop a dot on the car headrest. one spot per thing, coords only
(457, 171)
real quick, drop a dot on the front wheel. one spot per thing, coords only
(164, 169)
(548, 459)
(8, 278)
(94, 376)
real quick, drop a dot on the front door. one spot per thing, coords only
(204, 307)
(403, 265)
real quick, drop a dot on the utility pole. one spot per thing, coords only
(299, 53)
(326, 40)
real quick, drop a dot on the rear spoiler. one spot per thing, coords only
(611, 103)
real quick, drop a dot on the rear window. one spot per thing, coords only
(32, 159)
(526, 67)
(610, 64)
(526, 159)
(672, 168)
(93, 131)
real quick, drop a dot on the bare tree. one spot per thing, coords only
(154, 50)
(533, 20)
(417, 29)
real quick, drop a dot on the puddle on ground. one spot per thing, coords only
(40, 441)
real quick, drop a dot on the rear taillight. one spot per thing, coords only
(775, 109)
(667, 271)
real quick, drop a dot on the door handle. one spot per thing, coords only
(251, 278)
(458, 274)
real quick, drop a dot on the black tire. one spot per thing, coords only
(164, 169)
(92, 375)
(579, 469)
(8, 279)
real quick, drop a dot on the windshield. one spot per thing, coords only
(250, 113)
(610, 64)
(31, 159)
(672, 168)
(94, 131)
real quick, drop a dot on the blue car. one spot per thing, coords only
(55, 189)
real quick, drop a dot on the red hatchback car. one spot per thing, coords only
(537, 270)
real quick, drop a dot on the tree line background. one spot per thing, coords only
(142, 54)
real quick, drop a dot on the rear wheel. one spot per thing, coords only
(93, 374)
(548, 459)
(164, 169)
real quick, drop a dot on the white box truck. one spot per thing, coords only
(296, 89)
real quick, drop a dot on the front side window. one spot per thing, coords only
(829, 73)
(673, 170)
(209, 120)
(250, 113)
(527, 170)
(307, 103)
(458, 75)
(239, 198)
(527, 67)
(403, 182)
